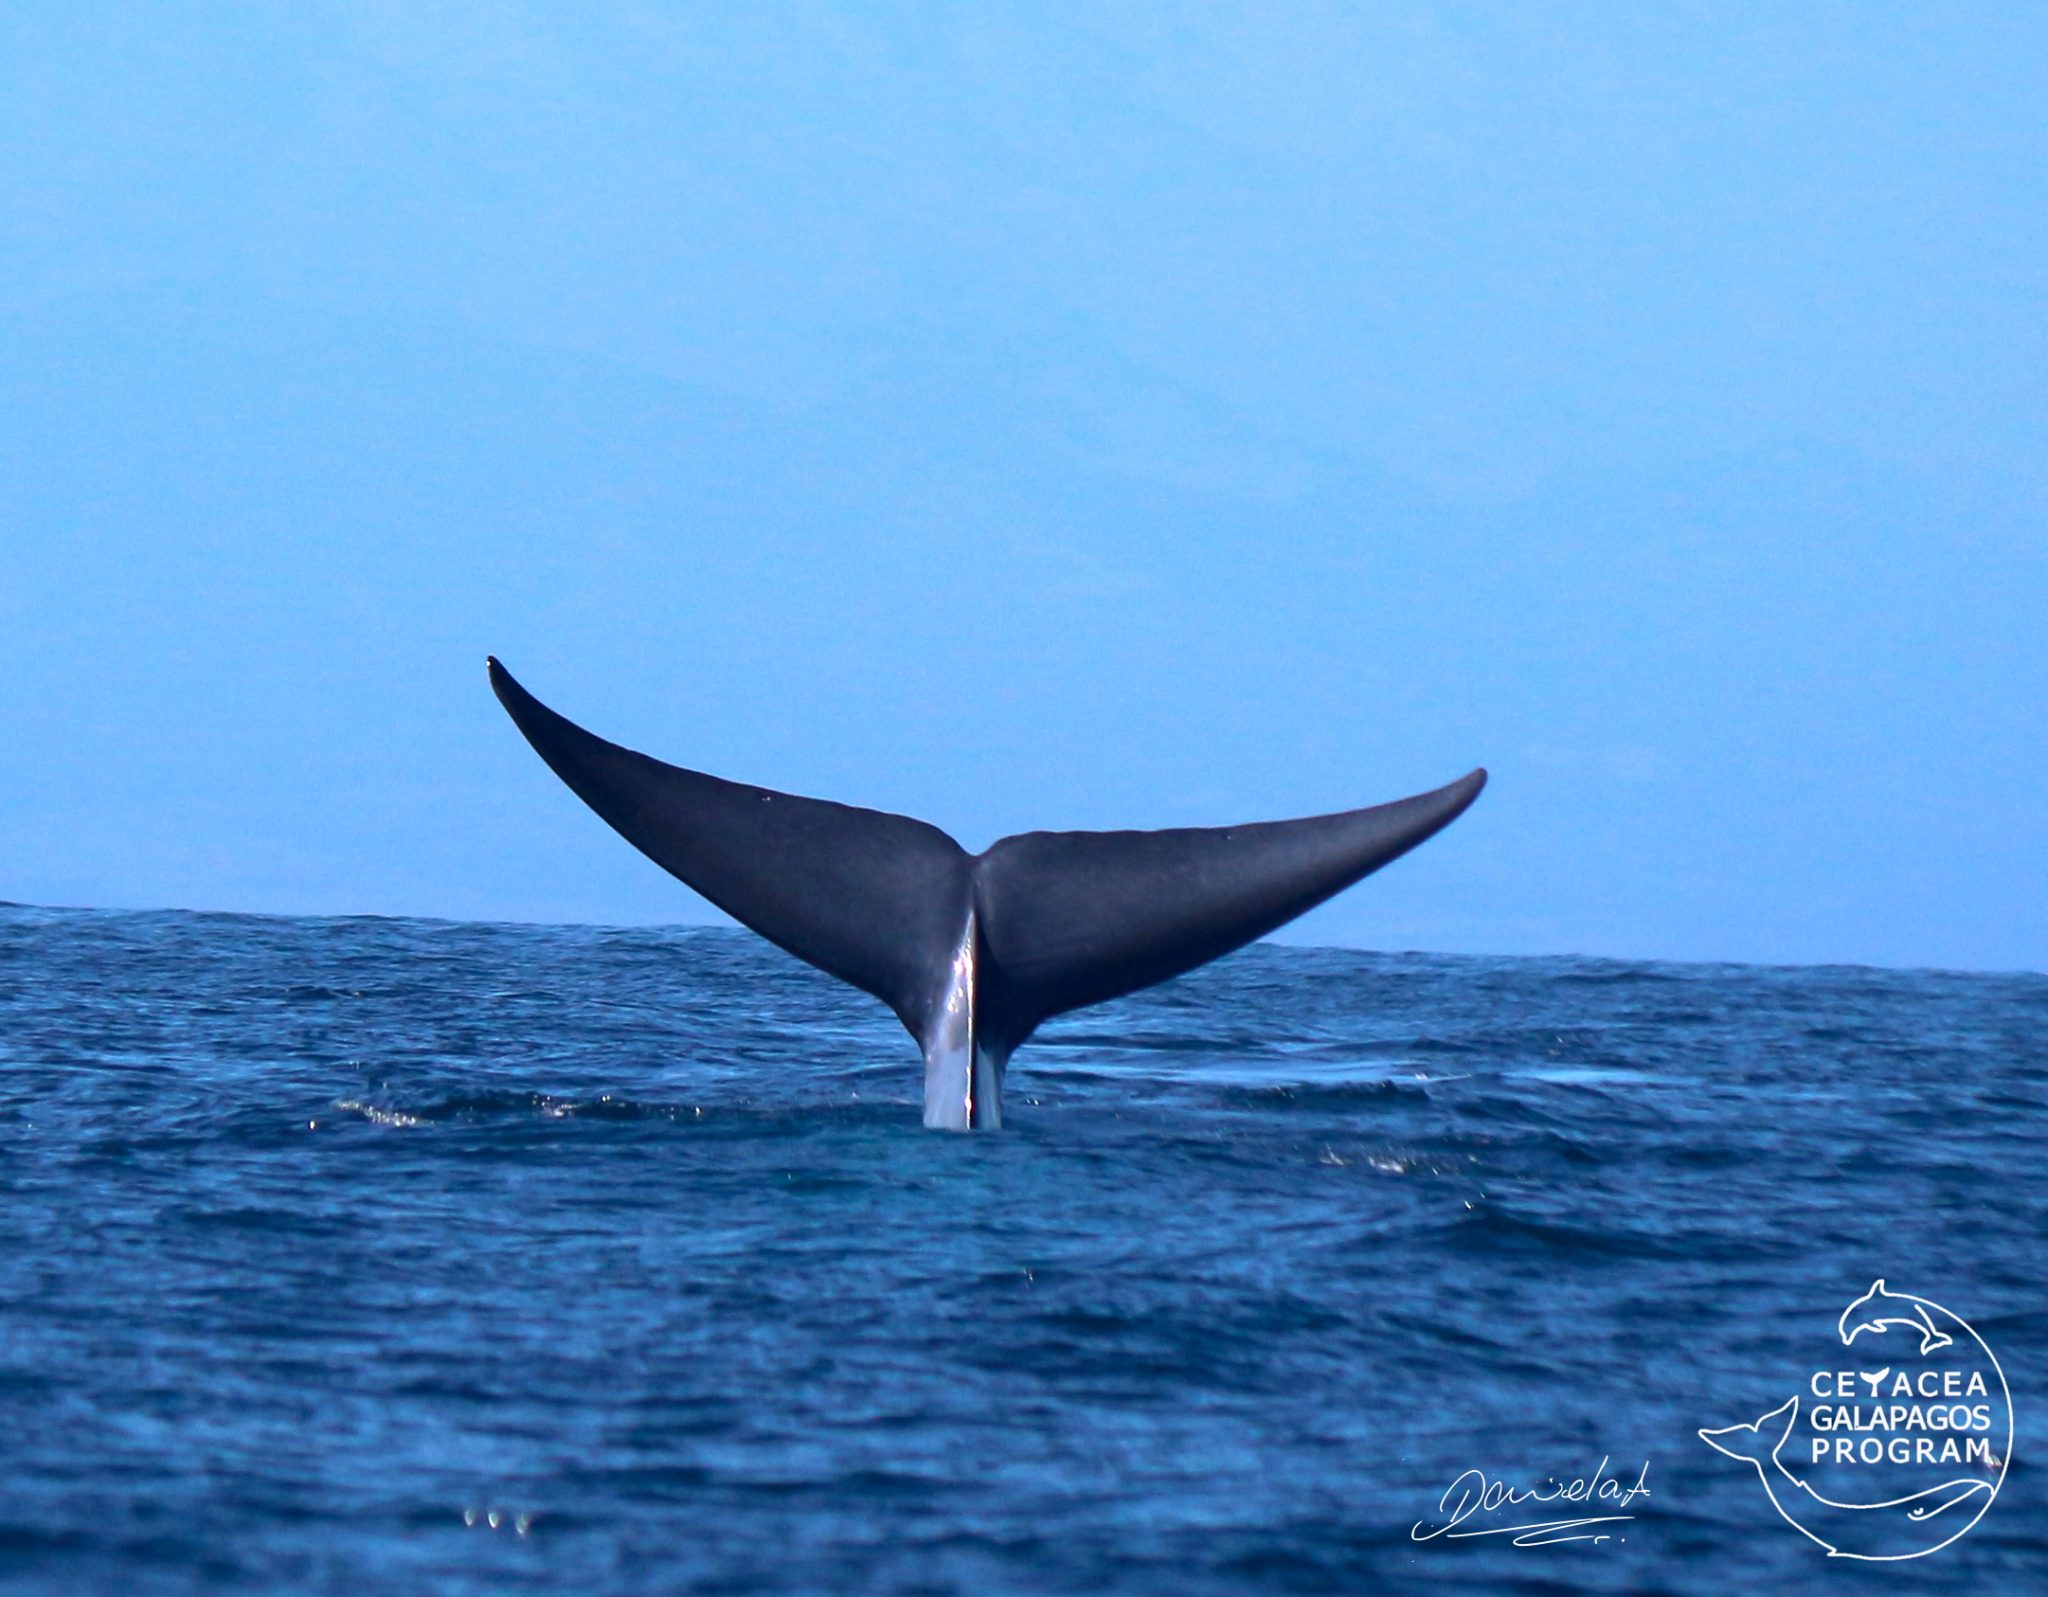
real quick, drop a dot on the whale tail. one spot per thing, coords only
(973, 952)
(1758, 1441)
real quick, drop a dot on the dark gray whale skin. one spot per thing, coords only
(973, 952)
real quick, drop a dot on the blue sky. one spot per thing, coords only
(1031, 416)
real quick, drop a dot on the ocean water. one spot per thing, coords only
(378, 1255)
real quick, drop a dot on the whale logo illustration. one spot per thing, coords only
(1846, 1530)
(1896, 1528)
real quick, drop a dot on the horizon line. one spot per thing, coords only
(734, 927)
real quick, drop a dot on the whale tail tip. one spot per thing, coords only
(1760, 1439)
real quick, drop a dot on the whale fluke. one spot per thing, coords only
(873, 899)
(1760, 1439)
(1076, 918)
(972, 952)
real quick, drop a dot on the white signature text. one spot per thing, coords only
(1473, 1503)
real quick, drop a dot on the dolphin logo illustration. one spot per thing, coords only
(974, 952)
(1880, 1308)
(1899, 1528)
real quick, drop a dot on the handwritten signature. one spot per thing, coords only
(1474, 1493)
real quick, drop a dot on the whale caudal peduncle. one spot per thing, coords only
(973, 952)
(963, 1078)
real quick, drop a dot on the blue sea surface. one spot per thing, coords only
(353, 1255)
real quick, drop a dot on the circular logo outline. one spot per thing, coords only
(1878, 1318)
